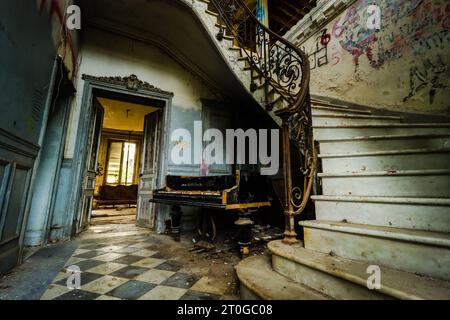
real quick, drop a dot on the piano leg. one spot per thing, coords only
(206, 227)
(244, 224)
(175, 214)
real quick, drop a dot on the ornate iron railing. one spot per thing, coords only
(284, 71)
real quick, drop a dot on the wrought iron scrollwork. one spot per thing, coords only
(284, 69)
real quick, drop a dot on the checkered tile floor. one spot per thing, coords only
(133, 270)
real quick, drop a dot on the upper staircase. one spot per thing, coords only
(385, 188)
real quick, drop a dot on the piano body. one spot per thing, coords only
(241, 193)
(229, 192)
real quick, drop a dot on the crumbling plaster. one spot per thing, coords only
(402, 66)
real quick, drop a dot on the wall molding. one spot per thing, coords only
(131, 83)
(316, 19)
(156, 41)
(11, 142)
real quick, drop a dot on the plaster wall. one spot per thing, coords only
(105, 54)
(402, 66)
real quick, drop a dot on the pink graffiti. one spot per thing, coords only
(325, 38)
(415, 25)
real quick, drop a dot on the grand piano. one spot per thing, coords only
(243, 193)
(229, 192)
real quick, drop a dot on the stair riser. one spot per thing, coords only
(406, 256)
(247, 294)
(334, 287)
(319, 112)
(424, 161)
(358, 146)
(408, 216)
(341, 133)
(423, 186)
(331, 121)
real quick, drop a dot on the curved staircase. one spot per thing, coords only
(385, 197)
(385, 201)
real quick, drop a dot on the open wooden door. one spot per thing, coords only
(149, 169)
(93, 143)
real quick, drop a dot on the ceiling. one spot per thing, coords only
(124, 116)
(172, 26)
(284, 14)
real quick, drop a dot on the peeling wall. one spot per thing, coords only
(108, 55)
(66, 41)
(105, 54)
(403, 66)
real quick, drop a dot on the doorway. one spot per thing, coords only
(123, 162)
(119, 161)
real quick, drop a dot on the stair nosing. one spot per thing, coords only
(339, 270)
(393, 200)
(355, 116)
(433, 238)
(246, 282)
(326, 104)
(393, 125)
(385, 173)
(340, 109)
(384, 153)
(387, 137)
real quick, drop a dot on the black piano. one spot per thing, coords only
(229, 192)
(242, 193)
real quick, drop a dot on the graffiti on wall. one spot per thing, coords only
(318, 55)
(410, 36)
(429, 76)
(417, 25)
(403, 26)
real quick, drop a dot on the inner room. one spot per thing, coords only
(119, 161)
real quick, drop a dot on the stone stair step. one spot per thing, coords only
(422, 252)
(408, 183)
(318, 110)
(352, 131)
(417, 159)
(382, 143)
(352, 119)
(430, 214)
(342, 278)
(328, 104)
(259, 281)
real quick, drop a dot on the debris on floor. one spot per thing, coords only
(266, 233)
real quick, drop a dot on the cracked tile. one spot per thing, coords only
(149, 263)
(53, 291)
(164, 293)
(144, 253)
(131, 290)
(155, 276)
(104, 284)
(109, 256)
(210, 285)
(107, 268)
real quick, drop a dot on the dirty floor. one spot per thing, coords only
(118, 215)
(122, 261)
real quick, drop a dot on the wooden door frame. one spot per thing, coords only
(125, 87)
